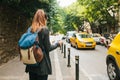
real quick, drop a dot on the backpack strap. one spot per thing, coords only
(28, 53)
(20, 53)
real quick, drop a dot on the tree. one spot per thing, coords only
(25, 9)
(97, 11)
(55, 17)
(74, 16)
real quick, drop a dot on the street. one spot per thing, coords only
(92, 65)
(92, 62)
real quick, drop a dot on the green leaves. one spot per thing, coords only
(74, 16)
(97, 9)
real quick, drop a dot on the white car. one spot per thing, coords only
(97, 37)
(69, 35)
(103, 41)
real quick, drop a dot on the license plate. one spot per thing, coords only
(88, 45)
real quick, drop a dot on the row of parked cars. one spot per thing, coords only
(105, 41)
(84, 40)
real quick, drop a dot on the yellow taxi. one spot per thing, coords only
(82, 40)
(113, 59)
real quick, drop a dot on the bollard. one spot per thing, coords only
(68, 58)
(62, 48)
(77, 67)
(64, 51)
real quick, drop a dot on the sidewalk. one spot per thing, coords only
(14, 69)
(60, 69)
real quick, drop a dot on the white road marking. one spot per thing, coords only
(91, 76)
(57, 68)
(84, 72)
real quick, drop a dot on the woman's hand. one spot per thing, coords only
(60, 43)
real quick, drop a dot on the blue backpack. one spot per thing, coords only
(30, 52)
(27, 39)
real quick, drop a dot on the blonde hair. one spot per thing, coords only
(39, 20)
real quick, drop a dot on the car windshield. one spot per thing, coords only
(84, 36)
(96, 35)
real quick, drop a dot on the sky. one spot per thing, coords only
(65, 3)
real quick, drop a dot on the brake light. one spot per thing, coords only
(102, 40)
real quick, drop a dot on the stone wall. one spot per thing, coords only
(12, 25)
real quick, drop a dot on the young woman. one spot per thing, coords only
(41, 71)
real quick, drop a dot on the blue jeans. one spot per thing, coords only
(33, 76)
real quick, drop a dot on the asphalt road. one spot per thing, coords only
(92, 62)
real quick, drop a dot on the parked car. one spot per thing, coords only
(103, 40)
(96, 37)
(82, 40)
(113, 59)
(109, 39)
(64, 37)
(69, 35)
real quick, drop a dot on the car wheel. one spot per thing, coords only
(112, 70)
(93, 48)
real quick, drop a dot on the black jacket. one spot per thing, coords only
(44, 68)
